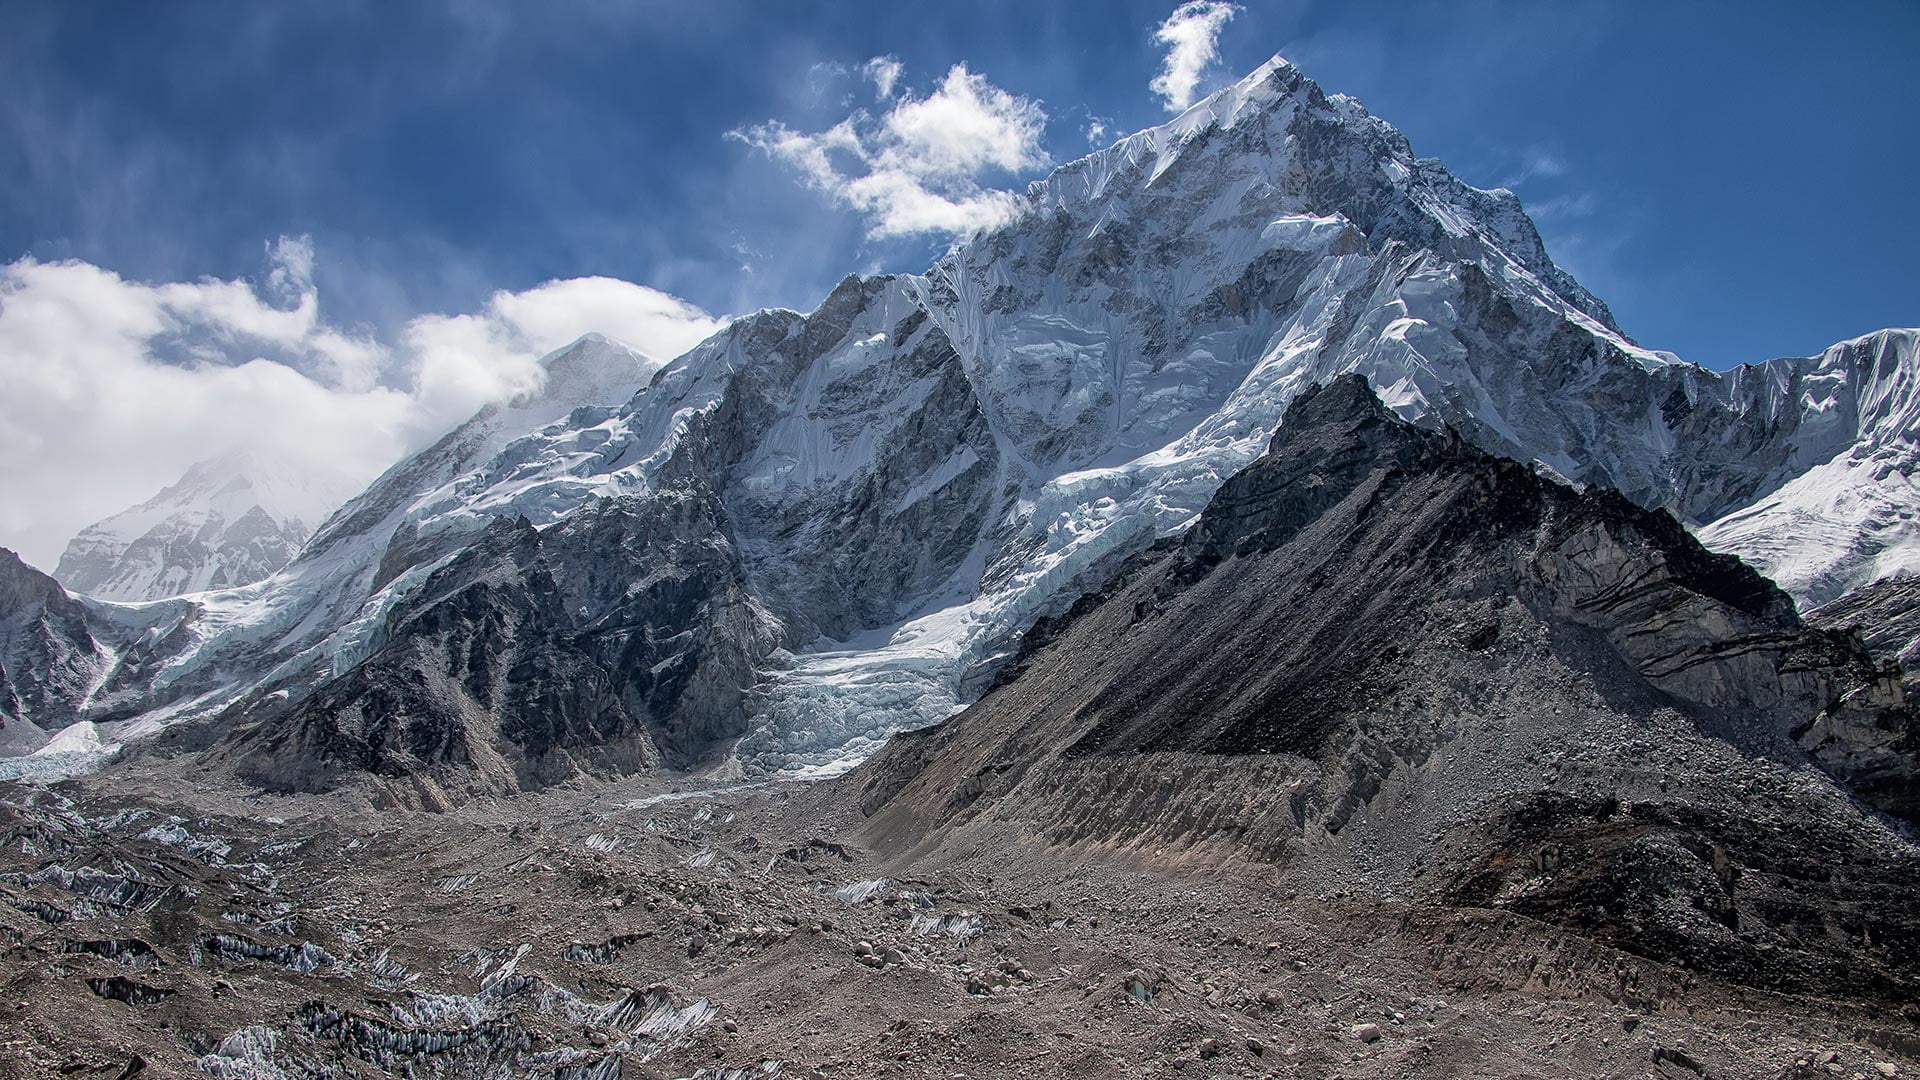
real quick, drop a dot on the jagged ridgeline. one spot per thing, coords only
(815, 530)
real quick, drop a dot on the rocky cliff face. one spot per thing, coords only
(49, 660)
(913, 474)
(1387, 659)
(1887, 616)
(615, 642)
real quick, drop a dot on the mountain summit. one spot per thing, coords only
(229, 521)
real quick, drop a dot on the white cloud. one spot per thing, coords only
(110, 388)
(885, 72)
(1096, 132)
(967, 126)
(1191, 35)
(917, 168)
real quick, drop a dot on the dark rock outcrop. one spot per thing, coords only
(1872, 740)
(619, 640)
(1382, 656)
(1886, 614)
(49, 659)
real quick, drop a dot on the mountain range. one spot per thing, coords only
(813, 531)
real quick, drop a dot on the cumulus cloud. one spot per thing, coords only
(110, 388)
(1191, 35)
(917, 168)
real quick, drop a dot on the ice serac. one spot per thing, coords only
(865, 507)
(1389, 662)
(231, 520)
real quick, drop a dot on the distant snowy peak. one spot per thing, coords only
(230, 520)
(236, 519)
(593, 373)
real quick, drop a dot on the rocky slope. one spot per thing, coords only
(903, 481)
(1385, 659)
(598, 930)
(49, 660)
(230, 521)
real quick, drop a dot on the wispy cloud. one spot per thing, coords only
(1571, 206)
(110, 388)
(1534, 164)
(1191, 35)
(885, 72)
(918, 168)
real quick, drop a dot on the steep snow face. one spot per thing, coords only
(914, 473)
(231, 520)
(1852, 516)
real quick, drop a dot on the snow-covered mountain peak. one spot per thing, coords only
(230, 520)
(592, 370)
(1270, 86)
(1273, 147)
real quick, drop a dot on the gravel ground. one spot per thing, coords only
(603, 931)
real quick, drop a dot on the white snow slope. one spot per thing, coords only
(924, 466)
(1854, 517)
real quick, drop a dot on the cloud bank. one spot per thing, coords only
(110, 388)
(1191, 35)
(917, 168)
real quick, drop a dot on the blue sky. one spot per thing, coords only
(1735, 180)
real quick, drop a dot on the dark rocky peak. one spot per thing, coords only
(1338, 439)
(49, 655)
(23, 587)
(1342, 587)
(1386, 658)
